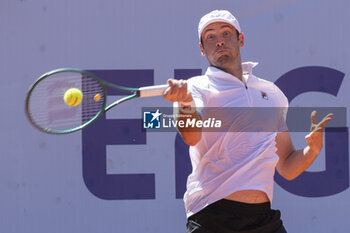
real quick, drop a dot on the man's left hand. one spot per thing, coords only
(315, 137)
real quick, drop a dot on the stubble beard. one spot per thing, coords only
(227, 62)
(223, 62)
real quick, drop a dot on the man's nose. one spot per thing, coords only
(219, 44)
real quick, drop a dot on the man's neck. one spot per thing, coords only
(235, 70)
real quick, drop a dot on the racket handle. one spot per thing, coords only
(152, 90)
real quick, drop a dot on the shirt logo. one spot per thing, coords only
(264, 95)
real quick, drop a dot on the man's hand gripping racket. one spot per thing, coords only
(66, 100)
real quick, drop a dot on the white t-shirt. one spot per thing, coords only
(225, 162)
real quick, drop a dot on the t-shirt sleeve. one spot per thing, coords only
(196, 93)
(194, 85)
(283, 110)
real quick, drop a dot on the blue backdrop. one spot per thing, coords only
(113, 177)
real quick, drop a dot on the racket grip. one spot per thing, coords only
(152, 90)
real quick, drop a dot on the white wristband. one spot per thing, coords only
(187, 107)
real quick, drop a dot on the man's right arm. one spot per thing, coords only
(178, 92)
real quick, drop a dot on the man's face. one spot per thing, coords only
(221, 44)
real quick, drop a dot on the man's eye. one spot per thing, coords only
(226, 33)
(210, 37)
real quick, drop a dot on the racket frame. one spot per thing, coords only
(135, 93)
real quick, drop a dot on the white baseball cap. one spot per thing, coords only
(217, 16)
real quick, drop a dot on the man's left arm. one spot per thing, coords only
(293, 162)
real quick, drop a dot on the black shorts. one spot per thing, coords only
(226, 216)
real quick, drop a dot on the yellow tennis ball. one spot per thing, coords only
(73, 96)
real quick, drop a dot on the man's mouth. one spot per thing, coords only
(219, 51)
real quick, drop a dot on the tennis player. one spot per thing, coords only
(231, 185)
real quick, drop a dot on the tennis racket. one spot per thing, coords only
(49, 112)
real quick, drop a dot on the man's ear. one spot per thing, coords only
(241, 40)
(202, 49)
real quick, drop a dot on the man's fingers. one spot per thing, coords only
(177, 90)
(171, 82)
(313, 117)
(320, 126)
(315, 137)
(168, 92)
(325, 120)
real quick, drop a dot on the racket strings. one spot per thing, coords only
(48, 110)
(90, 105)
